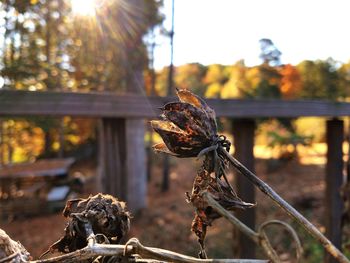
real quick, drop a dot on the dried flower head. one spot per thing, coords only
(188, 126)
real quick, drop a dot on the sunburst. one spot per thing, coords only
(84, 7)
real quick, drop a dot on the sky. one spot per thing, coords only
(225, 31)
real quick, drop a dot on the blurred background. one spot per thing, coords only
(275, 50)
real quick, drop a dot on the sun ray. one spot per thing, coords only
(84, 7)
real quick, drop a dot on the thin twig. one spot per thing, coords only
(291, 211)
(260, 239)
(10, 257)
(298, 247)
(162, 254)
(133, 246)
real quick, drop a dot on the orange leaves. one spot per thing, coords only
(291, 82)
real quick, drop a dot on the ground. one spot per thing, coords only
(166, 222)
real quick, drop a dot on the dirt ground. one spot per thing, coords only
(166, 222)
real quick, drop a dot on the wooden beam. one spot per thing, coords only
(334, 181)
(243, 133)
(24, 103)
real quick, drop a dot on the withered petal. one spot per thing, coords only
(188, 97)
(161, 147)
(189, 125)
(166, 126)
(229, 200)
(184, 114)
(180, 143)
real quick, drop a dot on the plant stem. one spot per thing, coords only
(255, 237)
(133, 246)
(291, 211)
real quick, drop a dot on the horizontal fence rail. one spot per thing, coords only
(21, 103)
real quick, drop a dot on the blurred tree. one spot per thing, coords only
(190, 76)
(214, 90)
(162, 81)
(32, 50)
(269, 52)
(291, 83)
(269, 75)
(46, 46)
(344, 79)
(242, 81)
(269, 82)
(216, 73)
(320, 79)
(112, 49)
(215, 78)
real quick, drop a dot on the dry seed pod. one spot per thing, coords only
(188, 127)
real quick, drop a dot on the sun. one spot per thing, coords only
(84, 7)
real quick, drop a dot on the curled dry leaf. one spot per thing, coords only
(106, 215)
(188, 129)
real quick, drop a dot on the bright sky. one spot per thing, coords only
(224, 31)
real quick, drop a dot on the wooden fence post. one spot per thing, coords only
(243, 132)
(136, 164)
(122, 160)
(334, 180)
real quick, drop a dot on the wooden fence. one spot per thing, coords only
(122, 152)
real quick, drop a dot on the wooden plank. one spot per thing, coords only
(40, 168)
(136, 175)
(112, 148)
(100, 176)
(243, 133)
(334, 181)
(24, 103)
(122, 162)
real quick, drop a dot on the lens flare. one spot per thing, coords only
(84, 7)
